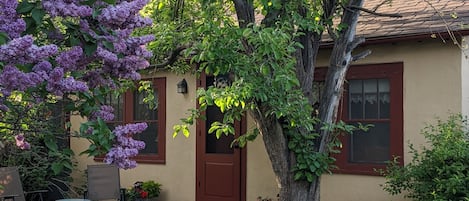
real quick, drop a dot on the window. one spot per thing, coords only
(129, 108)
(372, 95)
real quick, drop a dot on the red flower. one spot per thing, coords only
(143, 194)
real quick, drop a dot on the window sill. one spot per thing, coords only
(360, 171)
(141, 160)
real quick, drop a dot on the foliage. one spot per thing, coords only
(46, 161)
(78, 52)
(260, 58)
(142, 190)
(268, 49)
(439, 171)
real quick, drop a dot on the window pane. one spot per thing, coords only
(150, 137)
(371, 146)
(371, 99)
(214, 145)
(384, 99)
(317, 92)
(141, 109)
(355, 99)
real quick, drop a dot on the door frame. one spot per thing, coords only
(201, 82)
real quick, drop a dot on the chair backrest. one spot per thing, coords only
(103, 182)
(11, 184)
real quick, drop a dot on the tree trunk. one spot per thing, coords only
(275, 140)
(282, 159)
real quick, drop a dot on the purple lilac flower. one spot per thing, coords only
(124, 15)
(126, 147)
(137, 45)
(94, 78)
(120, 157)
(59, 85)
(21, 142)
(69, 59)
(69, 84)
(89, 131)
(16, 46)
(10, 22)
(105, 112)
(67, 8)
(130, 129)
(124, 33)
(23, 51)
(43, 66)
(13, 79)
(3, 107)
(106, 55)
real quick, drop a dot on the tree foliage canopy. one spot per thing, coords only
(268, 48)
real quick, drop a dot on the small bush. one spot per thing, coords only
(143, 190)
(439, 171)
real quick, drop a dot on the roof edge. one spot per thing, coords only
(401, 38)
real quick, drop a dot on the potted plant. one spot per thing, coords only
(144, 191)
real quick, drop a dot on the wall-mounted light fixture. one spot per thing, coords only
(182, 86)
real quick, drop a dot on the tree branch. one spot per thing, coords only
(245, 12)
(380, 4)
(352, 45)
(172, 57)
(361, 55)
(374, 12)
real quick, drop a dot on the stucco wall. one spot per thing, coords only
(178, 174)
(432, 87)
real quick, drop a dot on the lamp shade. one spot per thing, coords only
(182, 86)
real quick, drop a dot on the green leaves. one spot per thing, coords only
(220, 128)
(439, 171)
(90, 48)
(3, 38)
(25, 7)
(184, 128)
(100, 136)
(38, 15)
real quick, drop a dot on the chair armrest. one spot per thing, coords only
(36, 193)
(9, 196)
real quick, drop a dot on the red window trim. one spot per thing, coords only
(393, 72)
(160, 158)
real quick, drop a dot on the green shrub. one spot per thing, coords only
(48, 161)
(439, 171)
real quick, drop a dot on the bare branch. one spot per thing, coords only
(361, 55)
(448, 29)
(357, 41)
(374, 12)
(172, 57)
(380, 4)
(331, 33)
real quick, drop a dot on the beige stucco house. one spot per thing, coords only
(419, 74)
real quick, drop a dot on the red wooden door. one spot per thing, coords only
(219, 166)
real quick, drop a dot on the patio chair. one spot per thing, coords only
(104, 183)
(11, 187)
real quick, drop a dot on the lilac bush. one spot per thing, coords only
(76, 51)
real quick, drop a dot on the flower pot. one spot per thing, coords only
(146, 199)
